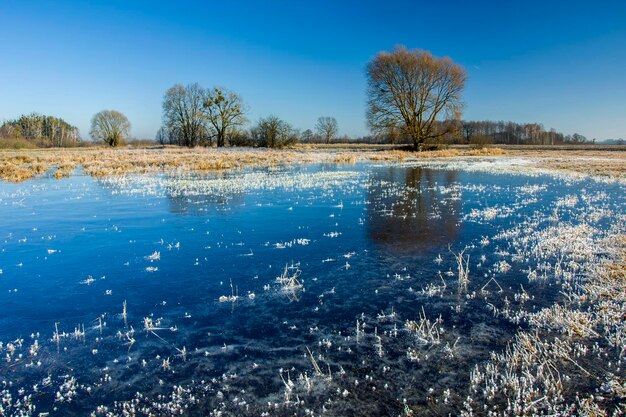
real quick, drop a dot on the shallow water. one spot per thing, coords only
(372, 243)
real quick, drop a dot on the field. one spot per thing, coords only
(311, 281)
(21, 165)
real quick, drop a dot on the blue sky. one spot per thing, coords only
(560, 63)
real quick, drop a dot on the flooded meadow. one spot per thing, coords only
(458, 287)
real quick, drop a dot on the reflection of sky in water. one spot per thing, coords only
(366, 244)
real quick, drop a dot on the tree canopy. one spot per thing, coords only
(193, 115)
(41, 130)
(272, 132)
(184, 120)
(110, 126)
(327, 128)
(414, 91)
(224, 111)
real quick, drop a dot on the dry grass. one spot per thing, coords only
(613, 167)
(540, 369)
(609, 162)
(20, 165)
(24, 164)
(16, 143)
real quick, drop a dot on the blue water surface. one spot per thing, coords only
(73, 251)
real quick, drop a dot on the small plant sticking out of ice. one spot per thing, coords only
(289, 281)
(492, 281)
(183, 353)
(154, 256)
(88, 281)
(382, 316)
(433, 289)
(462, 262)
(148, 324)
(502, 266)
(166, 364)
(233, 297)
(318, 370)
(427, 332)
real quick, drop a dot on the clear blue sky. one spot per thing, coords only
(560, 63)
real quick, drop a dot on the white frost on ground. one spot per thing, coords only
(190, 185)
(527, 166)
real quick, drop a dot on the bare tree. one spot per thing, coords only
(307, 136)
(468, 130)
(224, 111)
(327, 128)
(110, 126)
(414, 90)
(183, 114)
(272, 132)
(166, 136)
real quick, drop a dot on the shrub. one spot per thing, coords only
(16, 143)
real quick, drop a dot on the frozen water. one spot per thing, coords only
(175, 293)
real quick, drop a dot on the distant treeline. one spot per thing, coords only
(475, 133)
(40, 131)
(35, 130)
(511, 133)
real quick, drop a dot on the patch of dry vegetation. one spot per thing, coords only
(573, 350)
(606, 167)
(22, 165)
(16, 143)
(608, 162)
(459, 152)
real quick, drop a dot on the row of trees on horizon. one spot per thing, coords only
(413, 97)
(198, 116)
(49, 131)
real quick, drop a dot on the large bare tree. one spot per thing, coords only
(183, 114)
(416, 91)
(224, 111)
(110, 126)
(327, 128)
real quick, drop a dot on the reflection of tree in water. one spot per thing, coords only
(417, 216)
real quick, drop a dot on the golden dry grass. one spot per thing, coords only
(20, 165)
(602, 167)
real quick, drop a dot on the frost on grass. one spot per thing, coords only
(523, 166)
(194, 185)
(570, 361)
